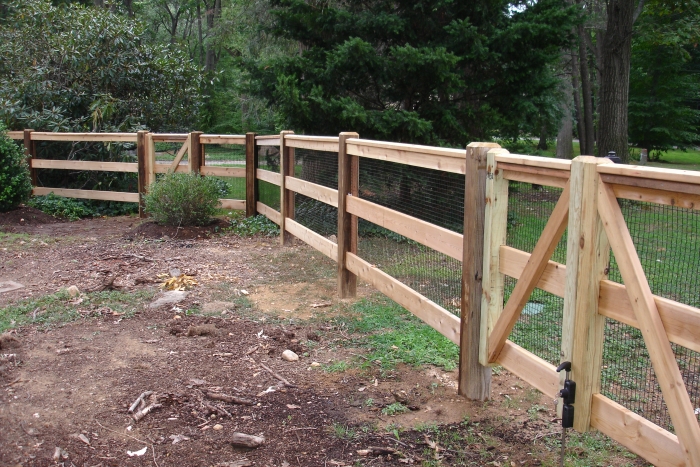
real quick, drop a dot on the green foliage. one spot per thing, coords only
(256, 225)
(664, 83)
(58, 206)
(182, 199)
(435, 71)
(90, 69)
(394, 409)
(15, 183)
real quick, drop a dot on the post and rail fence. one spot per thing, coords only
(589, 279)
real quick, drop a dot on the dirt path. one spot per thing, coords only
(65, 389)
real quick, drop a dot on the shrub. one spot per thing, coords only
(15, 182)
(182, 199)
(257, 225)
(58, 206)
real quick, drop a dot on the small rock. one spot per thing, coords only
(73, 291)
(169, 298)
(289, 356)
(315, 364)
(175, 272)
(177, 317)
(218, 427)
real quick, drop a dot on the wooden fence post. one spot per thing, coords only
(141, 159)
(150, 159)
(286, 196)
(30, 152)
(348, 185)
(474, 378)
(251, 182)
(587, 257)
(495, 227)
(196, 156)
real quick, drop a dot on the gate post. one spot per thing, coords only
(286, 196)
(587, 258)
(251, 181)
(196, 156)
(474, 378)
(142, 168)
(348, 185)
(30, 152)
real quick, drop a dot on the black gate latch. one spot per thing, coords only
(568, 395)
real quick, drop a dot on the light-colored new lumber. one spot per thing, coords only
(587, 254)
(431, 313)
(269, 176)
(105, 137)
(652, 183)
(222, 139)
(150, 159)
(527, 177)
(407, 155)
(268, 212)
(681, 322)
(534, 161)
(85, 165)
(474, 380)
(238, 204)
(313, 239)
(180, 154)
(88, 194)
(543, 250)
(170, 137)
(313, 190)
(142, 169)
(268, 140)
(653, 173)
(416, 148)
(495, 227)
(15, 134)
(660, 352)
(513, 261)
(637, 434)
(438, 238)
(530, 368)
(218, 171)
(316, 143)
(286, 196)
(651, 195)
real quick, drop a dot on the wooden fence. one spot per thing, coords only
(588, 207)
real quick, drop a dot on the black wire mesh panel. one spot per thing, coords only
(667, 240)
(538, 329)
(430, 195)
(321, 168)
(91, 152)
(269, 159)
(227, 155)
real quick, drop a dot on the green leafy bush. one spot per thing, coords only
(58, 206)
(182, 199)
(15, 183)
(257, 225)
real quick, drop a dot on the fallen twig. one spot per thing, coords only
(286, 383)
(247, 441)
(143, 412)
(216, 409)
(139, 400)
(229, 399)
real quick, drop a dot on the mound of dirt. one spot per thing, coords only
(25, 215)
(155, 230)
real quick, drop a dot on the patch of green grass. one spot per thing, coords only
(394, 409)
(395, 336)
(58, 308)
(343, 431)
(336, 367)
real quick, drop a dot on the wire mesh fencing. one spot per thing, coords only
(429, 195)
(667, 240)
(321, 168)
(269, 159)
(227, 155)
(538, 329)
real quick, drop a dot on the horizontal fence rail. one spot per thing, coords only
(545, 260)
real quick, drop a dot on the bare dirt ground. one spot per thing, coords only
(65, 390)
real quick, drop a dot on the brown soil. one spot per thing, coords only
(26, 216)
(70, 386)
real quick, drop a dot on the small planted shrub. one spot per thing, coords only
(58, 206)
(251, 226)
(182, 199)
(15, 183)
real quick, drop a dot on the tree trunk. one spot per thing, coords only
(615, 79)
(575, 73)
(565, 142)
(199, 33)
(588, 141)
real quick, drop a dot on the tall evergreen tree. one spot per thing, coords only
(433, 71)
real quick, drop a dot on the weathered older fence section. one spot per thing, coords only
(455, 237)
